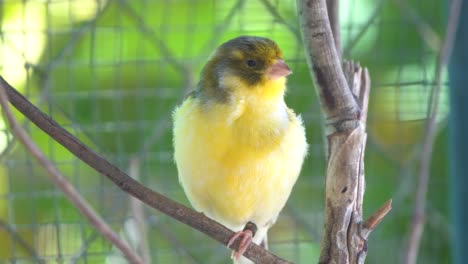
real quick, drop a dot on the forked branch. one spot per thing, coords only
(344, 95)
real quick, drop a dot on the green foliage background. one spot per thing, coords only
(112, 71)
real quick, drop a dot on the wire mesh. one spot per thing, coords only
(112, 71)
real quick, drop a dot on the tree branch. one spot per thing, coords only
(338, 104)
(344, 96)
(165, 205)
(378, 216)
(64, 185)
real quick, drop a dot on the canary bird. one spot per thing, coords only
(237, 146)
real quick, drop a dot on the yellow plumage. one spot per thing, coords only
(239, 158)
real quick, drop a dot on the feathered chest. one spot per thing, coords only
(244, 127)
(231, 160)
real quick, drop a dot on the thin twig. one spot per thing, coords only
(17, 238)
(62, 183)
(418, 219)
(138, 213)
(378, 216)
(165, 205)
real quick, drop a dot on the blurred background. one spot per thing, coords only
(111, 72)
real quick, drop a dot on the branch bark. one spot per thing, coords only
(344, 95)
(334, 18)
(338, 104)
(158, 201)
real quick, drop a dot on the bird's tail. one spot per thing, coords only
(260, 238)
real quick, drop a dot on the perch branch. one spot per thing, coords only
(62, 183)
(418, 218)
(165, 205)
(344, 95)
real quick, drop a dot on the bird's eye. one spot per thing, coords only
(251, 63)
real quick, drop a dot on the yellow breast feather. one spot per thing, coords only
(239, 168)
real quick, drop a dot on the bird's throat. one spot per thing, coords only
(261, 125)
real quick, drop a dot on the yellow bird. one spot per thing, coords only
(238, 148)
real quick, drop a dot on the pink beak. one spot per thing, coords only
(278, 70)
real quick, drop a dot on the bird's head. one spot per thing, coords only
(245, 66)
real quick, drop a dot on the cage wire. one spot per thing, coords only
(111, 72)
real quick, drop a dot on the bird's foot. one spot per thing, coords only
(246, 236)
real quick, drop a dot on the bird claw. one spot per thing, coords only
(246, 238)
